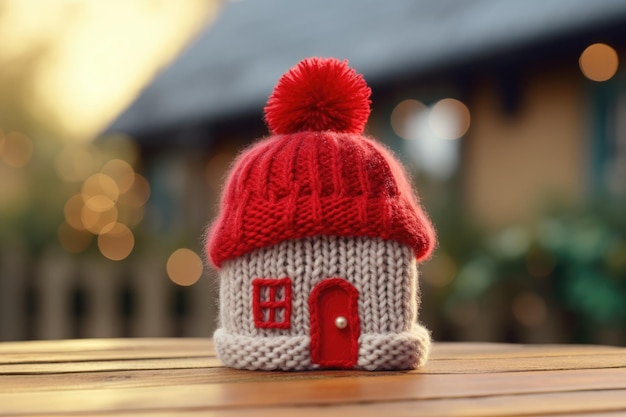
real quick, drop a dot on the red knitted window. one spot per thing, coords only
(271, 303)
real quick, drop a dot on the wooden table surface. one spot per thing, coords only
(182, 377)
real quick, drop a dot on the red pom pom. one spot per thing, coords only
(319, 94)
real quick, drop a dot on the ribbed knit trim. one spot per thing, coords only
(377, 352)
(389, 351)
(285, 353)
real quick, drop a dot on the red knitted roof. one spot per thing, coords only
(322, 183)
(317, 175)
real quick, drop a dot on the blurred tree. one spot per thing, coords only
(571, 264)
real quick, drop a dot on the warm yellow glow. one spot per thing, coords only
(121, 172)
(72, 210)
(90, 58)
(599, 62)
(75, 162)
(449, 118)
(98, 222)
(100, 192)
(403, 114)
(100, 203)
(16, 150)
(72, 240)
(117, 243)
(529, 309)
(184, 267)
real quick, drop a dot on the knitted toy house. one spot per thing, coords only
(318, 237)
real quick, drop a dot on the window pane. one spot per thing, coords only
(271, 302)
(280, 293)
(265, 294)
(280, 315)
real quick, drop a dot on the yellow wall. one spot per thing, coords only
(514, 163)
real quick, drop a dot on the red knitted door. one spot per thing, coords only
(335, 324)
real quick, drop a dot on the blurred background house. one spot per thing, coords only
(510, 116)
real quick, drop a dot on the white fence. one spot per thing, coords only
(58, 296)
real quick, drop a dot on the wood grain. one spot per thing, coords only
(319, 391)
(105, 348)
(587, 404)
(164, 377)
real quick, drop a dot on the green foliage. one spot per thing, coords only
(575, 260)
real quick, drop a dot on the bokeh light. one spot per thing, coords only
(184, 267)
(121, 172)
(138, 193)
(117, 243)
(426, 129)
(599, 62)
(73, 212)
(449, 118)
(16, 149)
(100, 192)
(98, 222)
(110, 201)
(402, 116)
(529, 309)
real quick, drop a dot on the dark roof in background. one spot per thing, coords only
(233, 65)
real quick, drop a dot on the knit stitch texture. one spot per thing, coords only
(316, 183)
(384, 273)
(318, 237)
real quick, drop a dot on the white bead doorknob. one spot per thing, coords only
(341, 322)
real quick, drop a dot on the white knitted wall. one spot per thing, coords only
(383, 272)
